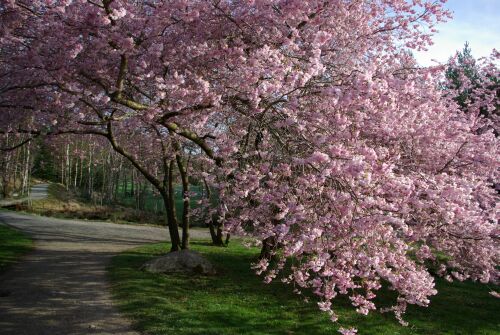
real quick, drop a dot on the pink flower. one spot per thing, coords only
(319, 157)
(348, 331)
(118, 13)
(325, 305)
(495, 294)
(322, 37)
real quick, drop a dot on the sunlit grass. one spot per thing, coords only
(13, 244)
(237, 302)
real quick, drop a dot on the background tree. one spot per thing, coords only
(16, 164)
(474, 82)
(462, 75)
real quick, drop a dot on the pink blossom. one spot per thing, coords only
(348, 331)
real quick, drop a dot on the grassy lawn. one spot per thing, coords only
(237, 302)
(13, 244)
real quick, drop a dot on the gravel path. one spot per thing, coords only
(38, 192)
(61, 287)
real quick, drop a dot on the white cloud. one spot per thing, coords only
(477, 22)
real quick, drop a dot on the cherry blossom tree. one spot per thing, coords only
(321, 136)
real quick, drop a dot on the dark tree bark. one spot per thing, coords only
(183, 170)
(213, 226)
(268, 245)
(165, 188)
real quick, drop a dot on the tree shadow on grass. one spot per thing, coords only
(237, 302)
(202, 243)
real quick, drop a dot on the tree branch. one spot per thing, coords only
(152, 179)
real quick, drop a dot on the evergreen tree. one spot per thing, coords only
(464, 69)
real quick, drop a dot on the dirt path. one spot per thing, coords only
(61, 287)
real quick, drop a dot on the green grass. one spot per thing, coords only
(13, 244)
(237, 302)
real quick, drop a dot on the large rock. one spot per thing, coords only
(184, 261)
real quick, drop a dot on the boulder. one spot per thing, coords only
(184, 261)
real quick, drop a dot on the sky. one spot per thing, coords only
(475, 21)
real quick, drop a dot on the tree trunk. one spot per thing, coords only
(215, 235)
(67, 179)
(172, 225)
(185, 201)
(267, 247)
